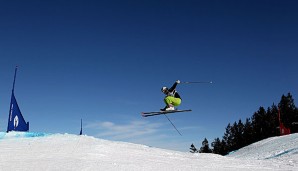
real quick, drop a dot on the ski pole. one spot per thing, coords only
(197, 82)
(172, 124)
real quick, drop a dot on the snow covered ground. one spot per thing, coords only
(40, 151)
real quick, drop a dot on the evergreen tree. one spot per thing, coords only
(218, 147)
(205, 147)
(239, 129)
(272, 120)
(295, 123)
(266, 126)
(193, 149)
(236, 136)
(288, 111)
(248, 132)
(227, 138)
(257, 122)
(233, 137)
(225, 149)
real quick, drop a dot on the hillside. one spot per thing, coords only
(39, 151)
(282, 150)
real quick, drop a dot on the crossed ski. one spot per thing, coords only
(147, 114)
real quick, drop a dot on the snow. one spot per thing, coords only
(281, 150)
(41, 151)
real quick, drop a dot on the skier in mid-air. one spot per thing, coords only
(172, 98)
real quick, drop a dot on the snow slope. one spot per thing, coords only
(282, 150)
(39, 151)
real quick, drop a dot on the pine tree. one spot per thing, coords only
(239, 141)
(193, 149)
(295, 122)
(257, 122)
(205, 147)
(218, 147)
(288, 111)
(233, 142)
(272, 121)
(227, 138)
(248, 132)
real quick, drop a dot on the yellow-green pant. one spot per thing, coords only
(172, 100)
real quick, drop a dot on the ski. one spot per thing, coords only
(147, 114)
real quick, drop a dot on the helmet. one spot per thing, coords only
(164, 89)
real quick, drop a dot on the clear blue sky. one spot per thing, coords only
(106, 61)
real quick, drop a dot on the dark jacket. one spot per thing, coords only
(173, 92)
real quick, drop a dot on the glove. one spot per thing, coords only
(178, 81)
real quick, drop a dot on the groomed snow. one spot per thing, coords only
(41, 152)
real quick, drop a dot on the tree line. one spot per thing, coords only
(263, 124)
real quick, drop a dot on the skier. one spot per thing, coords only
(172, 98)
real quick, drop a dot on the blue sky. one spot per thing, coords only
(106, 61)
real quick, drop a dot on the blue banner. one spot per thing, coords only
(16, 121)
